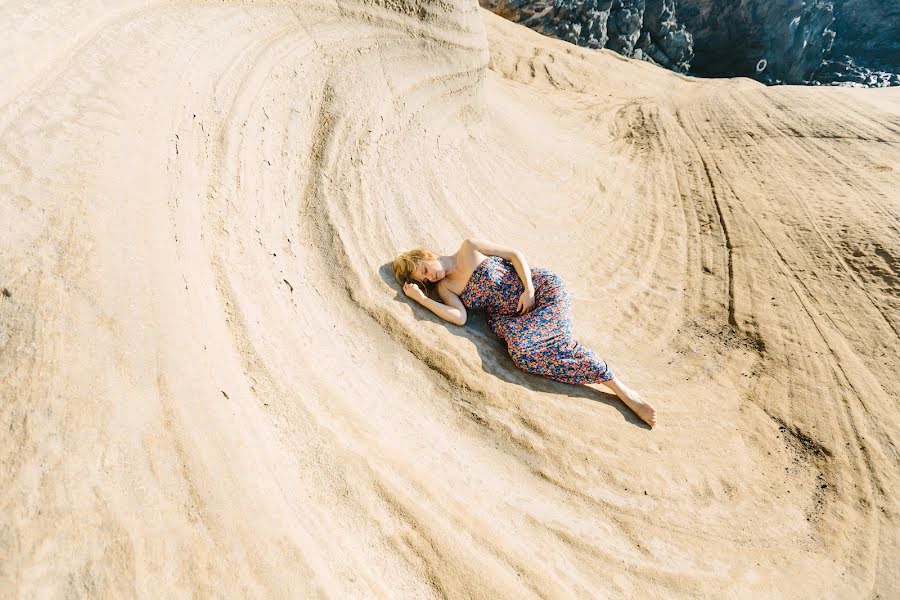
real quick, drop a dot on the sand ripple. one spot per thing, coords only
(211, 385)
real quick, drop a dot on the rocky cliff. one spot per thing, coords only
(774, 41)
(866, 45)
(771, 40)
(645, 29)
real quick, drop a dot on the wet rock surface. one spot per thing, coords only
(843, 42)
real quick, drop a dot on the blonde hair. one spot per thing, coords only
(404, 265)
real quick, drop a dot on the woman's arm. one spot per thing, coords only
(454, 313)
(453, 304)
(516, 257)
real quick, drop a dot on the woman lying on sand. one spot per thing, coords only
(529, 309)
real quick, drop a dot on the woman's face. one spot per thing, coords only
(429, 270)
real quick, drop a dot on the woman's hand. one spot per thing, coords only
(526, 302)
(413, 291)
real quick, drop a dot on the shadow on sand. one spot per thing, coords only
(495, 358)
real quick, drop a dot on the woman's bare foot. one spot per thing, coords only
(633, 400)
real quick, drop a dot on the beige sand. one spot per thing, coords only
(212, 387)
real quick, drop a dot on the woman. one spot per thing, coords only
(530, 309)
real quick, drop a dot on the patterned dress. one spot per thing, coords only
(540, 341)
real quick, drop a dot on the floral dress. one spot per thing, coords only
(540, 341)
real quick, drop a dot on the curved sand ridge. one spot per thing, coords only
(211, 385)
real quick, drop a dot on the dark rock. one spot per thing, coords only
(866, 51)
(774, 41)
(645, 29)
(845, 71)
(869, 31)
(670, 43)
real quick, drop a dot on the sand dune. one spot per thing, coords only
(210, 384)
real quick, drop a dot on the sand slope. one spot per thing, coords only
(210, 384)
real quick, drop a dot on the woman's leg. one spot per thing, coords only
(562, 359)
(633, 400)
(573, 363)
(541, 342)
